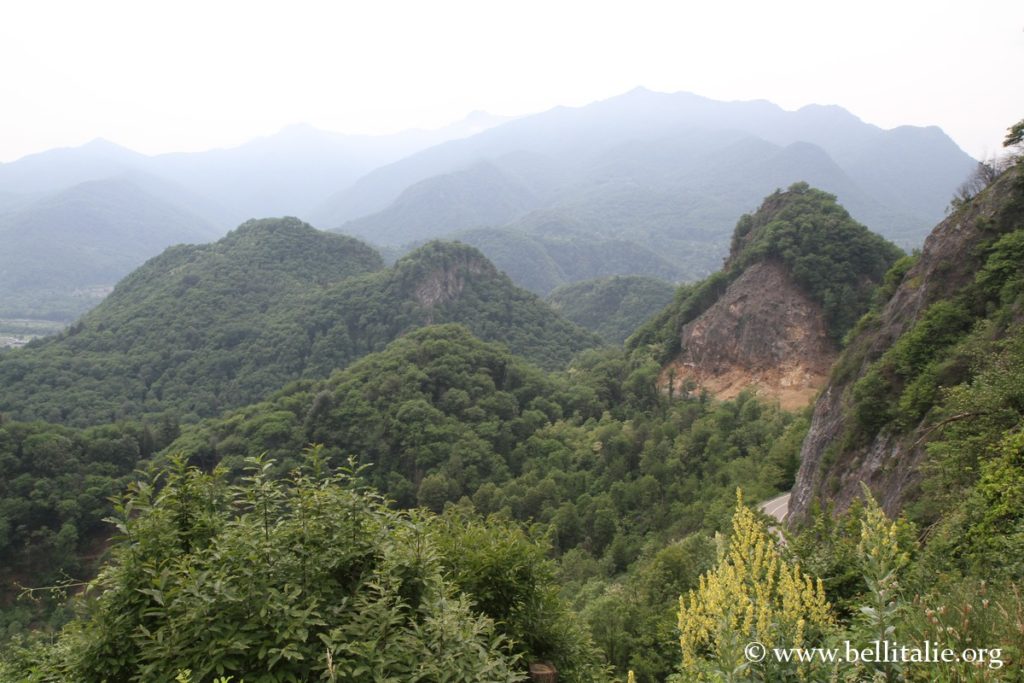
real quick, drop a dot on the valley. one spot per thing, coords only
(18, 332)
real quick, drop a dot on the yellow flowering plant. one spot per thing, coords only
(752, 596)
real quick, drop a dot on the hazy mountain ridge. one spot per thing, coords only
(667, 173)
(581, 139)
(64, 251)
(281, 174)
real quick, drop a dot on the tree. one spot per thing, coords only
(1014, 135)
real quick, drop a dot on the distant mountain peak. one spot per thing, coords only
(641, 90)
(829, 112)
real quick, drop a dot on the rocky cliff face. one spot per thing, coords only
(832, 465)
(800, 272)
(764, 333)
(446, 284)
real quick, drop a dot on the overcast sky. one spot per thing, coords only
(189, 75)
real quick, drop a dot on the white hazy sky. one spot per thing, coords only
(161, 76)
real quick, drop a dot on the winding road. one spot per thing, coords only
(776, 508)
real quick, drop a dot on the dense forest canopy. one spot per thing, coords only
(604, 465)
(613, 307)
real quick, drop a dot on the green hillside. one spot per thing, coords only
(201, 329)
(613, 307)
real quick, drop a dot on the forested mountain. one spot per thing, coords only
(800, 273)
(669, 173)
(63, 252)
(613, 307)
(204, 328)
(333, 469)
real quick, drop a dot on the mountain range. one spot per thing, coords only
(644, 183)
(667, 173)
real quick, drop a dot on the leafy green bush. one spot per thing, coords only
(274, 580)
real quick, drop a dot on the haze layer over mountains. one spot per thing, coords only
(641, 184)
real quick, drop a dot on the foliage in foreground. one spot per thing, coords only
(758, 592)
(752, 595)
(886, 586)
(300, 579)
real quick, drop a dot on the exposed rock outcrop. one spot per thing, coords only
(800, 272)
(764, 333)
(446, 284)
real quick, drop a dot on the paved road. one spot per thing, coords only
(777, 507)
